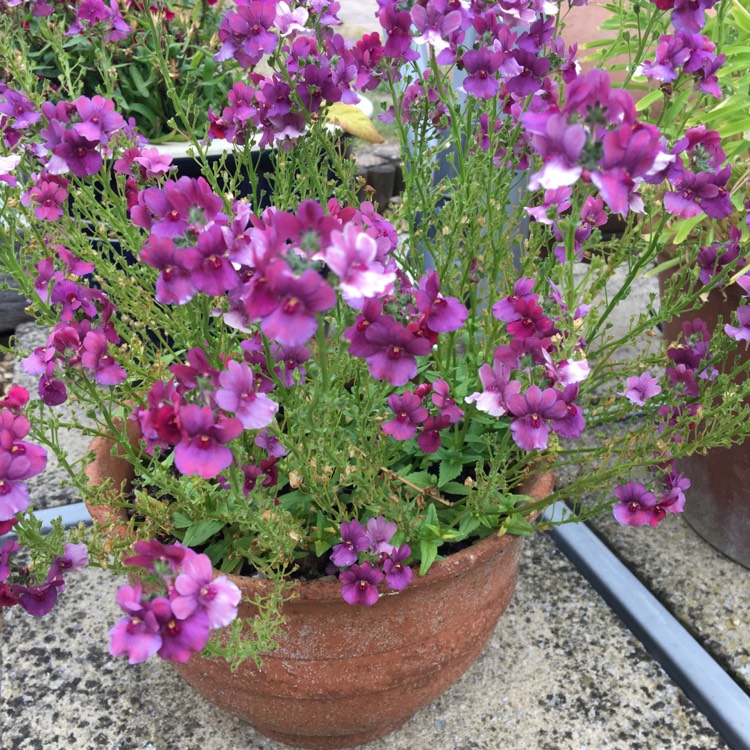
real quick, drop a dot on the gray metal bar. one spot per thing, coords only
(713, 691)
(71, 515)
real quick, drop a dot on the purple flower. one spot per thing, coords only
(481, 66)
(360, 584)
(641, 387)
(409, 415)
(507, 309)
(442, 314)
(97, 359)
(202, 450)
(635, 506)
(77, 154)
(495, 381)
(75, 557)
(428, 439)
(38, 600)
(572, 424)
(741, 333)
(380, 531)
(397, 575)
(531, 411)
(238, 395)
(441, 399)
(174, 285)
(137, 634)
(394, 351)
(245, 34)
(153, 554)
(15, 468)
(354, 539)
(197, 589)
(299, 298)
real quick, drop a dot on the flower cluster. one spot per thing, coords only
(360, 578)
(19, 459)
(181, 604)
(19, 584)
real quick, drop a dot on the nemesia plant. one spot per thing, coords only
(104, 48)
(307, 385)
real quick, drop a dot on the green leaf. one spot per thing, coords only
(139, 83)
(218, 551)
(687, 226)
(428, 552)
(468, 524)
(648, 100)
(421, 479)
(450, 468)
(455, 488)
(144, 112)
(181, 521)
(202, 532)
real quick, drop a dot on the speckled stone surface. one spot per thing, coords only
(706, 591)
(560, 672)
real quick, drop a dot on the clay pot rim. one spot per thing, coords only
(538, 487)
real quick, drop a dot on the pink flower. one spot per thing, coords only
(238, 395)
(359, 584)
(197, 589)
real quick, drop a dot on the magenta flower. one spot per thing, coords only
(496, 383)
(532, 411)
(409, 414)
(380, 531)
(360, 584)
(441, 399)
(197, 589)
(299, 298)
(352, 255)
(97, 359)
(202, 450)
(238, 395)
(635, 506)
(354, 539)
(15, 469)
(50, 196)
(481, 66)
(397, 575)
(532, 322)
(180, 639)
(174, 285)
(573, 423)
(741, 332)
(38, 600)
(137, 634)
(442, 314)
(395, 349)
(153, 554)
(641, 387)
(428, 439)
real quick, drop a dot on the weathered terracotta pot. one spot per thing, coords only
(718, 504)
(346, 675)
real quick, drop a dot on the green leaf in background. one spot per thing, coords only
(450, 468)
(202, 532)
(428, 552)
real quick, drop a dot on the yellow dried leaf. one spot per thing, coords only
(354, 122)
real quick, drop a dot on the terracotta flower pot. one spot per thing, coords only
(718, 506)
(346, 675)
